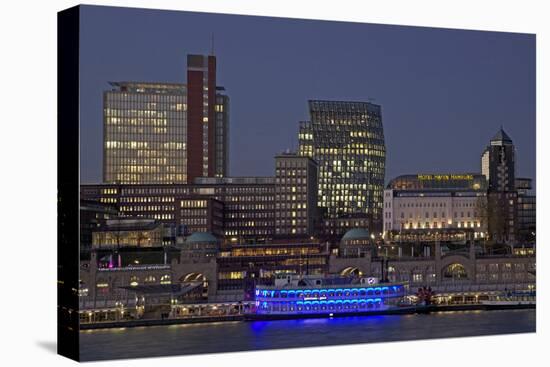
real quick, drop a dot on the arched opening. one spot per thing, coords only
(455, 271)
(196, 278)
(134, 281)
(150, 279)
(351, 271)
(166, 279)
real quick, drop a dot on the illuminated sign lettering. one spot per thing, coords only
(445, 177)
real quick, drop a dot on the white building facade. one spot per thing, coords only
(435, 208)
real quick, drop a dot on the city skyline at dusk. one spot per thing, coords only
(244, 175)
(447, 91)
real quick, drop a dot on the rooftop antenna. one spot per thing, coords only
(212, 44)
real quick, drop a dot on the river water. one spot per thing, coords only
(157, 341)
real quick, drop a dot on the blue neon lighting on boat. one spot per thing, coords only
(358, 299)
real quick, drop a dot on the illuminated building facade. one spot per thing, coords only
(440, 182)
(129, 232)
(248, 204)
(436, 203)
(200, 214)
(166, 132)
(230, 271)
(239, 262)
(333, 228)
(295, 194)
(92, 216)
(346, 139)
(249, 208)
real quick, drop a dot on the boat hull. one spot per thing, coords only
(326, 315)
(393, 311)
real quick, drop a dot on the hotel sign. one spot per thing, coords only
(445, 177)
(138, 267)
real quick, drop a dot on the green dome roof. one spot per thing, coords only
(201, 237)
(356, 234)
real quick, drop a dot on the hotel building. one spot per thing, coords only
(166, 132)
(346, 139)
(436, 203)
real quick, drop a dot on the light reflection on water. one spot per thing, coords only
(236, 336)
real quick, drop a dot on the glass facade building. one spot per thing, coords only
(144, 133)
(166, 132)
(346, 139)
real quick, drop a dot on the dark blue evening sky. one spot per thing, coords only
(444, 93)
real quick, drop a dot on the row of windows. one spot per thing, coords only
(193, 203)
(147, 169)
(433, 225)
(142, 208)
(138, 178)
(291, 163)
(147, 199)
(427, 215)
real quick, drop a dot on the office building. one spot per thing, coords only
(498, 163)
(295, 195)
(166, 132)
(200, 214)
(498, 167)
(346, 139)
(247, 204)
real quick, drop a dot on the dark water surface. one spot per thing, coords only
(237, 336)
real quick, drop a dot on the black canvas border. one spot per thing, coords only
(68, 201)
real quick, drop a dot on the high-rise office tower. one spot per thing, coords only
(498, 166)
(166, 132)
(498, 163)
(346, 139)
